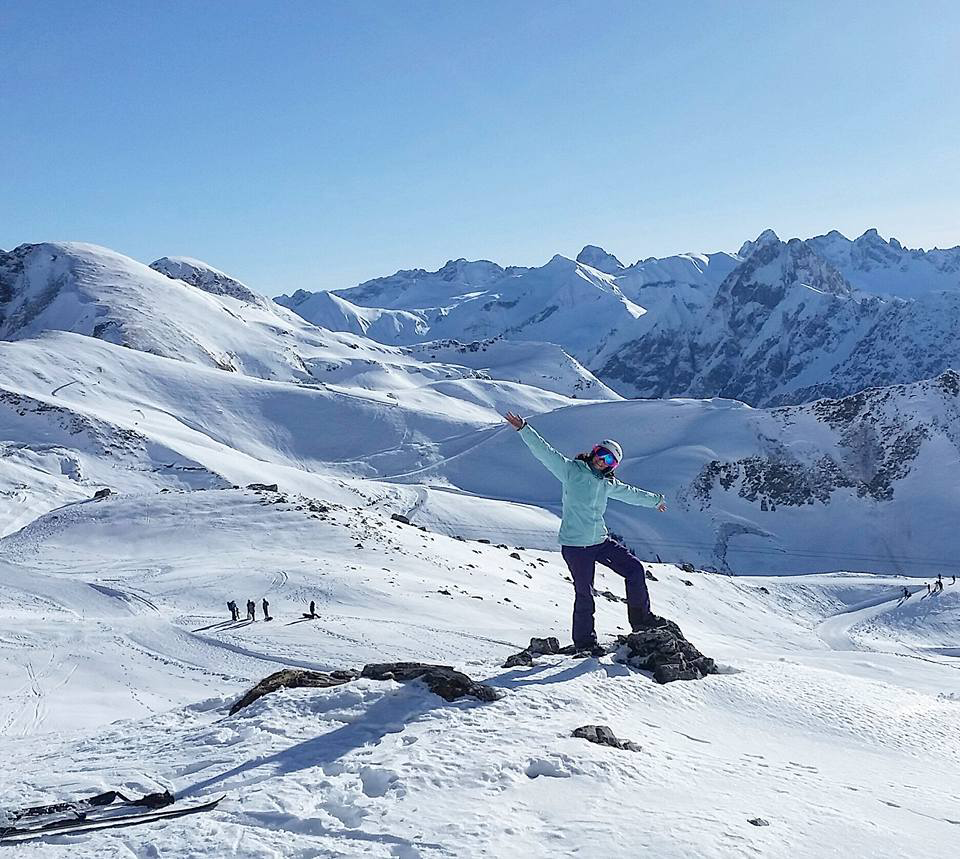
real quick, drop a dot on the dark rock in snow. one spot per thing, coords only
(442, 680)
(102, 493)
(759, 821)
(536, 647)
(518, 659)
(665, 651)
(516, 555)
(687, 582)
(399, 517)
(687, 568)
(264, 487)
(292, 678)
(602, 735)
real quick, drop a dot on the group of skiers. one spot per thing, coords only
(938, 584)
(251, 610)
(935, 588)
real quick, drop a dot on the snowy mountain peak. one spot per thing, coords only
(207, 278)
(767, 237)
(596, 257)
(887, 267)
(467, 271)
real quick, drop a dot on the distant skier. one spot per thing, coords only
(953, 580)
(906, 594)
(234, 610)
(251, 610)
(588, 483)
(928, 588)
(266, 610)
(313, 610)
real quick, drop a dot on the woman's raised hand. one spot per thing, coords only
(515, 421)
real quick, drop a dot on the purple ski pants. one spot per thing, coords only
(582, 561)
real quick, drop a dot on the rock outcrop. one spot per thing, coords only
(292, 678)
(665, 651)
(442, 680)
(604, 736)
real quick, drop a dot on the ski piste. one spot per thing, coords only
(79, 827)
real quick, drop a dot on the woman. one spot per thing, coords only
(588, 482)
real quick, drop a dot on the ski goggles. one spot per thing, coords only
(605, 456)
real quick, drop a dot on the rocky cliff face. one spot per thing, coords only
(786, 327)
(879, 435)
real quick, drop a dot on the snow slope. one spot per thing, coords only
(867, 482)
(78, 414)
(838, 749)
(337, 314)
(542, 365)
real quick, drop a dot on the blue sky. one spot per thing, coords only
(317, 144)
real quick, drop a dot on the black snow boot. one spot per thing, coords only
(641, 619)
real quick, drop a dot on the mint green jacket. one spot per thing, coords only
(585, 492)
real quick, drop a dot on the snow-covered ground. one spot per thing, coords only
(118, 667)
(834, 717)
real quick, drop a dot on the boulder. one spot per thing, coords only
(602, 735)
(101, 493)
(293, 678)
(399, 517)
(664, 650)
(264, 487)
(442, 680)
(536, 647)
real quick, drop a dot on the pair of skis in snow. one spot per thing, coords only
(153, 807)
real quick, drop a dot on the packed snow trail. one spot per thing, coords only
(835, 631)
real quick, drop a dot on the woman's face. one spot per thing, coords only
(602, 459)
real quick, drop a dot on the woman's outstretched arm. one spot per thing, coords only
(638, 497)
(554, 461)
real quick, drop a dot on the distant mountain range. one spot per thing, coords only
(777, 322)
(176, 377)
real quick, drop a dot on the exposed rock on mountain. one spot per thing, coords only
(207, 278)
(879, 436)
(786, 327)
(598, 258)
